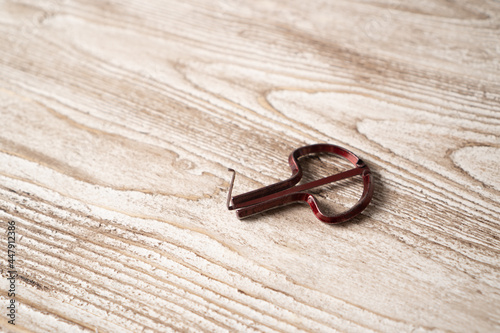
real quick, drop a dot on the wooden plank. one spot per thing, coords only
(119, 121)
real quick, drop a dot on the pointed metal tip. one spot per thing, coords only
(230, 191)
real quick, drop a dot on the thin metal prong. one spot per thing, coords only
(230, 189)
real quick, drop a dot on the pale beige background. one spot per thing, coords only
(119, 120)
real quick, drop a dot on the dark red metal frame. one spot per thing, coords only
(286, 192)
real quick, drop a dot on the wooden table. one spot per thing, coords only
(119, 121)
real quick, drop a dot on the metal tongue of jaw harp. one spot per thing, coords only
(286, 191)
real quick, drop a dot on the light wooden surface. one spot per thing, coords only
(119, 121)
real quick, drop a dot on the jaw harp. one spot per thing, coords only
(286, 192)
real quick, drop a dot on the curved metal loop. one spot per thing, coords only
(286, 192)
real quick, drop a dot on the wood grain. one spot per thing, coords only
(120, 119)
